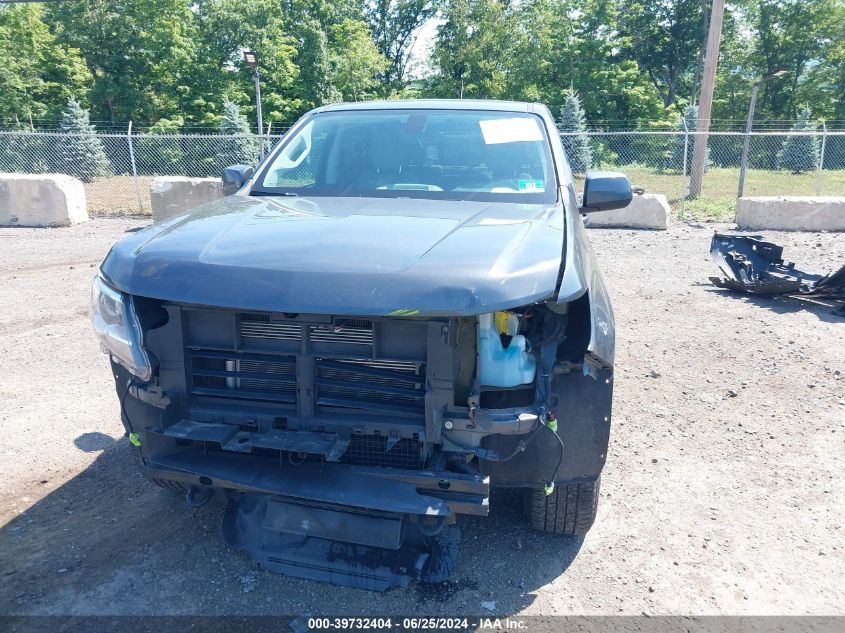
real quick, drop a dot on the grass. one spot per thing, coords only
(116, 195)
(717, 201)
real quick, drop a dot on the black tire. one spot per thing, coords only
(570, 509)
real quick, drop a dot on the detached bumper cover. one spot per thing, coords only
(373, 551)
(757, 267)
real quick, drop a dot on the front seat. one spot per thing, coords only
(385, 158)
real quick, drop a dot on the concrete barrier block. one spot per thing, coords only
(648, 211)
(791, 213)
(41, 200)
(172, 195)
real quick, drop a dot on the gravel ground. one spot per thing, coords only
(723, 492)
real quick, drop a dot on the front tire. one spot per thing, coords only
(569, 510)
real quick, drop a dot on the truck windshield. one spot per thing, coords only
(436, 154)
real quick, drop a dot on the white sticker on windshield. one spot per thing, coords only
(518, 129)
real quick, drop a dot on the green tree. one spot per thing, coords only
(576, 143)
(631, 61)
(81, 152)
(37, 74)
(800, 153)
(311, 23)
(472, 51)
(799, 36)
(664, 37)
(240, 147)
(354, 60)
(224, 28)
(24, 152)
(535, 50)
(394, 24)
(139, 53)
(822, 84)
(314, 85)
(565, 44)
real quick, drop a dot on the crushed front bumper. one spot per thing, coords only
(367, 527)
(418, 493)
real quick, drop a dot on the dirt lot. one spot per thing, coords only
(723, 491)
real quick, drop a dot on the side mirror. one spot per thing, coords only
(235, 177)
(605, 190)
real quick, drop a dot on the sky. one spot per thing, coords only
(419, 66)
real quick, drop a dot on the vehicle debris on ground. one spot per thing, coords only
(754, 266)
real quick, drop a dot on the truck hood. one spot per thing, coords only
(364, 256)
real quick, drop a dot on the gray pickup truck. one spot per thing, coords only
(396, 310)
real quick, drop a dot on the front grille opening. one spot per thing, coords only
(371, 450)
(361, 324)
(343, 331)
(259, 326)
(364, 450)
(229, 375)
(387, 386)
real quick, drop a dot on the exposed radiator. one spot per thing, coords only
(275, 331)
(387, 386)
(242, 376)
(340, 331)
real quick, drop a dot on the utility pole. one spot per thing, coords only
(711, 57)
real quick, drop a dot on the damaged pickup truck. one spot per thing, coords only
(393, 312)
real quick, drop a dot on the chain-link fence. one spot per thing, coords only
(117, 168)
(782, 163)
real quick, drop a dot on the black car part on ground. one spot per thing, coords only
(757, 267)
(377, 550)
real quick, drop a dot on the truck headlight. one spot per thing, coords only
(117, 326)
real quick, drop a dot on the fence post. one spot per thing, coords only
(821, 160)
(749, 123)
(134, 168)
(685, 177)
(743, 162)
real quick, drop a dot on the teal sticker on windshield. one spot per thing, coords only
(530, 185)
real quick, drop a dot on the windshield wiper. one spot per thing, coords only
(274, 193)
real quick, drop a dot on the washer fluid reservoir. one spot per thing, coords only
(500, 366)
